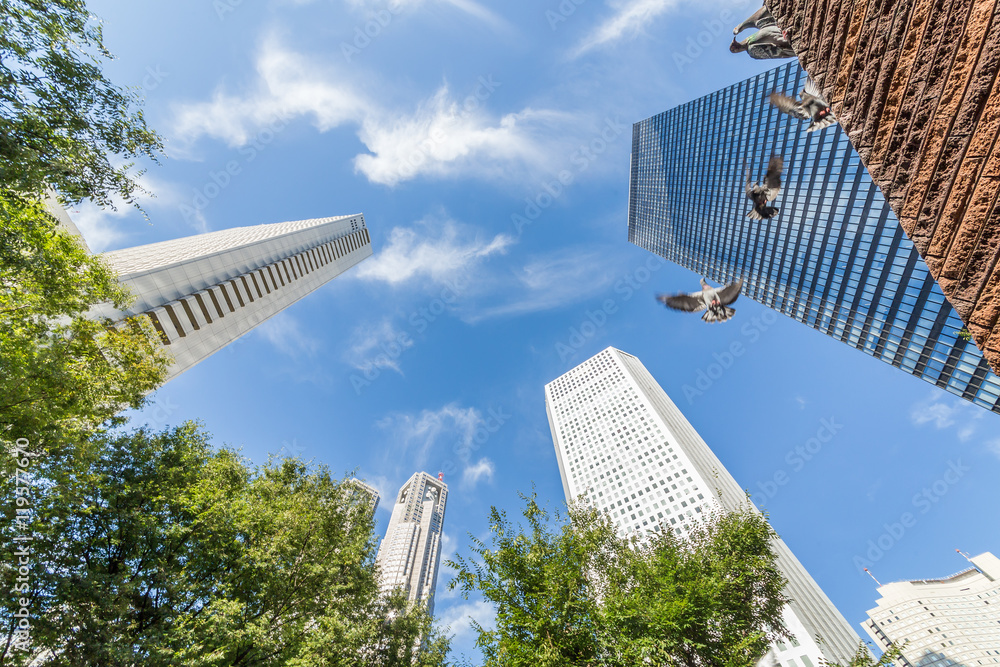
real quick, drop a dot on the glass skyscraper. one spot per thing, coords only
(834, 258)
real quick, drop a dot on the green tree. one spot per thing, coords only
(63, 373)
(572, 592)
(153, 548)
(61, 120)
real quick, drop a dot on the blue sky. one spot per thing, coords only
(443, 124)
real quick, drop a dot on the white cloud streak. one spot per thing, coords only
(445, 136)
(629, 19)
(412, 254)
(482, 469)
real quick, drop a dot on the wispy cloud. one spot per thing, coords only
(945, 412)
(419, 253)
(471, 8)
(419, 433)
(284, 332)
(994, 446)
(482, 469)
(629, 19)
(377, 345)
(444, 136)
(551, 281)
(457, 619)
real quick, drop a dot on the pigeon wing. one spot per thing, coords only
(730, 292)
(789, 105)
(812, 89)
(772, 180)
(691, 303)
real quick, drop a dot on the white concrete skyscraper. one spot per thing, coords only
(943, 622)
(203, 292)
(619, 438)
(411, 551)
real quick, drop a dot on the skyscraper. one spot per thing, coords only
(619, 438)
(835, 258)
(203, 292)
(949, 621)
(411, 551)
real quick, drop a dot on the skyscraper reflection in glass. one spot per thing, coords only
(834, 258)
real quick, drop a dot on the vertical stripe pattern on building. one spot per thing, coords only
(835, 257)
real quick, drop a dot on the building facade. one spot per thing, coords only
(410, 554)
(203, 292)
(835, 257)
(619, 438)
(363, 494)
(944, 622)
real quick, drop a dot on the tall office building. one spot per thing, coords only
(411, 551)
(619, 438)
(944, 622)
(203, 292)
(835, 258)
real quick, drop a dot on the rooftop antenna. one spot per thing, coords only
(873, 577)
(440, 476)
(964, 555)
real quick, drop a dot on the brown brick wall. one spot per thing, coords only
(914, 84)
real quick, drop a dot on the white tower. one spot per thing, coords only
(620, 439)
(203, 292)
(949, 621)
(411, 551)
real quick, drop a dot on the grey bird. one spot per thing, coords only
(714, 301)
(761, 193)
(811, 106)
(768, 42)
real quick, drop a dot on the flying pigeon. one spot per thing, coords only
(812, 106)
(715, 302)
(761, 193)
(768, 42)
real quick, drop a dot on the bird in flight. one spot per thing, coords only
(768, 42)
(811, 106)
(761, 193)
(714, 301)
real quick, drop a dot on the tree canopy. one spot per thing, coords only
(571, 591)
(61, 121)
(153, 548)
(62, 372)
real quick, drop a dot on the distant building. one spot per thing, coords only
(364, 493)
(410, 554)
(835, 257)
(949, 621)
(203, 292)
(619, 438)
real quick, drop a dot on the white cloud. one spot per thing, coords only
(947, 412)
(457, 618)
(994, 446)
(422, 431)
(377, 346)
(483, 468)
(283, 331)
(412, 253)
(471, 8)
(551, 281)
(630, 17)
(444, 136)
(941, 414)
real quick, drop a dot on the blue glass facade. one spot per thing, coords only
(834, 258)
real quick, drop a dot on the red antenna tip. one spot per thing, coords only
(440, 476)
